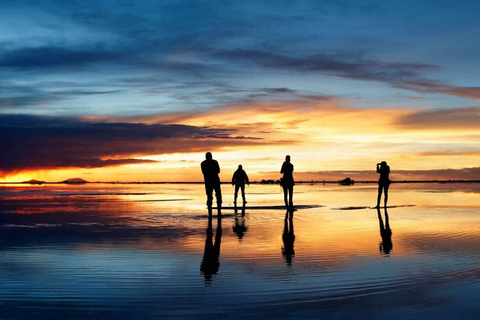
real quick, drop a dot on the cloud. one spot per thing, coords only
(48, 57)
(403, 75)
(349, 66)
(31, 142)
(466, 118)
(429, 86)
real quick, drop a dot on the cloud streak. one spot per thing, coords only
(402, 75)
(45, 143)
(466, 118)
(48, 57)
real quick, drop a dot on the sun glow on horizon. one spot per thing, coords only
(319, 137)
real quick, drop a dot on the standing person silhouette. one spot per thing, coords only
(383, 182)
(210, 170)
(238, 180)
(287, 182)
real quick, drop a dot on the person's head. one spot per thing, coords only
(239, 167)
(287, 158)
(383, 163)
(208, 156)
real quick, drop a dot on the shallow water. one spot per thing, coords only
(138, 251)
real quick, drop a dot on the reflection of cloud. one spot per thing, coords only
(442, 242)
(37, 142)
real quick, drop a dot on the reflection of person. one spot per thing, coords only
(383, 182)
(288, 238)
(240, 228)
(238, 180)
(287, 182)
(385, 232)
(210, 170)
(211, 256)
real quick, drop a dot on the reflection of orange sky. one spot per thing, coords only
(329, 233)
(325, 234)
(320, 136)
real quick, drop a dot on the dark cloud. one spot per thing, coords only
(408, 76)
(340, 65)
(429, 86)
(466, 118)
(41, 142)
(25, 100)
(48, 57)
(85, 92)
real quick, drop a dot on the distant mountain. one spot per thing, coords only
(33, 181)
(75, 181)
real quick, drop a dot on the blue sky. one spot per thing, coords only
(121, 58)
(130, 61)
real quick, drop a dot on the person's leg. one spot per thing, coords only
(385, 191)
(380, 186)
(285, 196)
(209, 192)
(218, 195)
(236, 193)
(243, 193)
(291, 196)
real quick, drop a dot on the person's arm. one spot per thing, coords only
(233, 179)
(218, 167)
(246, 178)
(378, 167)
(283, 168)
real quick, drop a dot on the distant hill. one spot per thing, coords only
(33, 181)
(75, 181)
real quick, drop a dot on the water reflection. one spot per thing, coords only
(288, 238)
(240, 226)
(385, 232)
(211, 255)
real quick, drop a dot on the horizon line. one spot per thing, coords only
(263, 181)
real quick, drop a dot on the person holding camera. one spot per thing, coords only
(383, 182)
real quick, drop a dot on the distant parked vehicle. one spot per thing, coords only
(346, 182)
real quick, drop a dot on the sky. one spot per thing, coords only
(140, 90)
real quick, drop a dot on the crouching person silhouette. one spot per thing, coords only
(238, 180)
(210, 170)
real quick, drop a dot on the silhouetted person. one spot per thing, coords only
(238, 180)
(211, 255)
(240, 228)
(288, 238)
(287, 182)
(210, 170)
(383, 182)
(385, 232)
